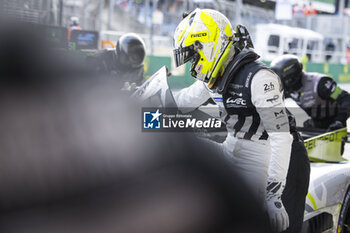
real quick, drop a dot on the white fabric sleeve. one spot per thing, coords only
(190, 98)
(267, 98)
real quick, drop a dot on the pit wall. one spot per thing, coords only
(181, 78)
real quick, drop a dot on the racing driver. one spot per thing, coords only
(249, 96)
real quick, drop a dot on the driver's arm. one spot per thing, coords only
(264, 87)
(190, 98)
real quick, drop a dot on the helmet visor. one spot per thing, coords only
(183, 55)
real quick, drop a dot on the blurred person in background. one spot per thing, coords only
(74, 25)
(297, 10)
(249, 98)
(125, 62)
(69, 162)
(317, 94)
(309, 10)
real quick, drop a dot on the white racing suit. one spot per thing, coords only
(259, 158)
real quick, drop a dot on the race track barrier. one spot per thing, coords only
(339, 72)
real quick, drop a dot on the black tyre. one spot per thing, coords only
(344, 216)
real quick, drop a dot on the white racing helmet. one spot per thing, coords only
(204, 38)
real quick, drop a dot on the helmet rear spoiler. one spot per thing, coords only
(243, 36)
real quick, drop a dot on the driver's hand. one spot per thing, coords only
(278, 216)
(131, 87)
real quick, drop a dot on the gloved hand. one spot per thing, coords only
(335, 125)
(277, 213)
(131, 87)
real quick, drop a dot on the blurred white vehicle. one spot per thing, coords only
(272, 40)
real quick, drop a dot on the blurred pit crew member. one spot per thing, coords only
(73, 26)
(125, 62)
(258, 140)
(317, 94)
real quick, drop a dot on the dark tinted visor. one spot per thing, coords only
(183, 55)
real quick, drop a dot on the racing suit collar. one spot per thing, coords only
(239, 59)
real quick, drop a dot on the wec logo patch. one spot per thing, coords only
(238, 101)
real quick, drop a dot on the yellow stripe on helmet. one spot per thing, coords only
(228, 30)
(220, 66)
